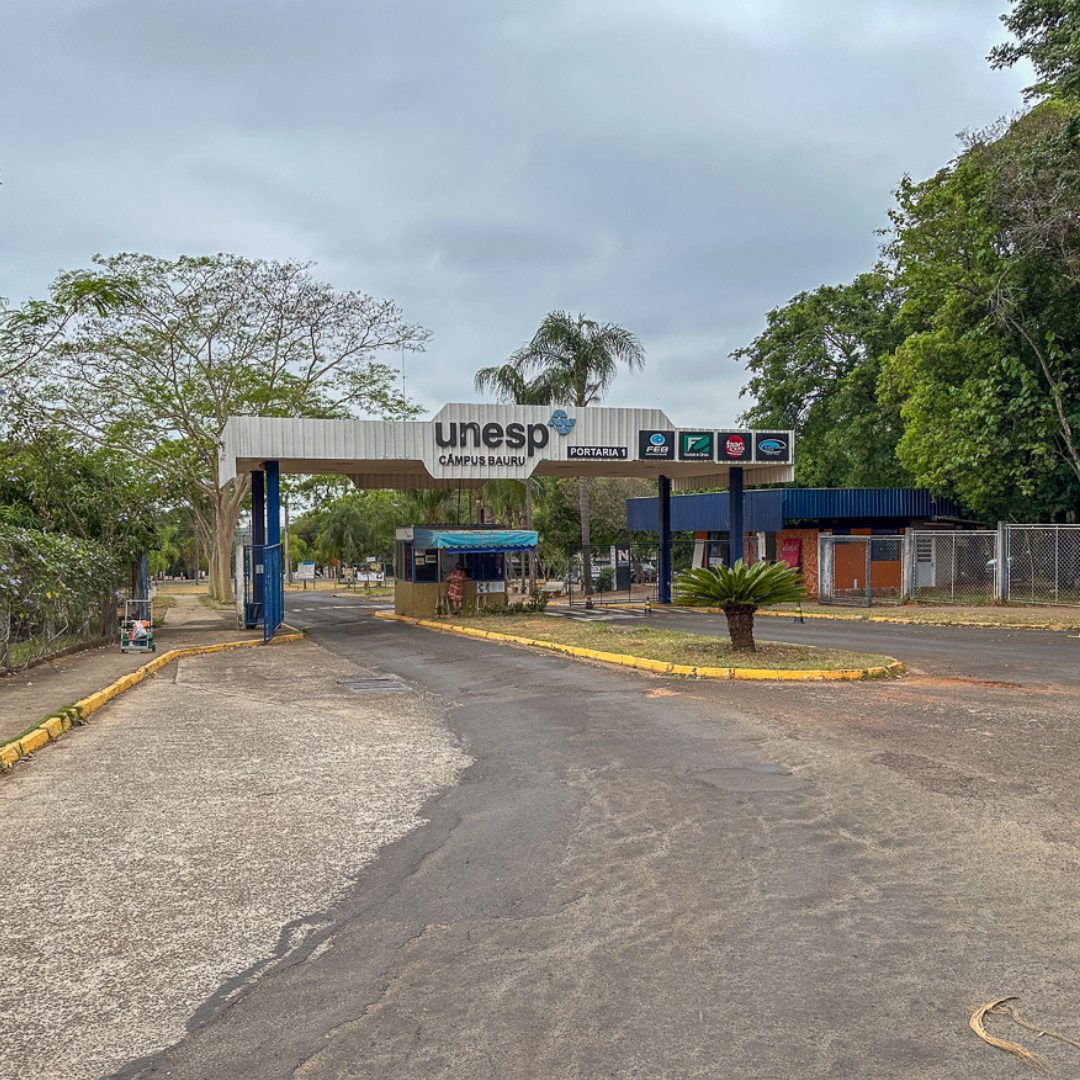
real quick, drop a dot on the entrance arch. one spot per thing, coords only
(465, 445)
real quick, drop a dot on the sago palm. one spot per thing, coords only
(739, 591)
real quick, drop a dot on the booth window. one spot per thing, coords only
(426, 565)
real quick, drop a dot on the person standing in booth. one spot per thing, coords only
(455, 591)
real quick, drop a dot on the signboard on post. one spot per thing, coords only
(305, 571)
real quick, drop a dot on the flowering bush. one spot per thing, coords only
(53, 588)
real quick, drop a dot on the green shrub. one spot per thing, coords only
(739, 591)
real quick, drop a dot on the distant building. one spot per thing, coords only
(785, 524)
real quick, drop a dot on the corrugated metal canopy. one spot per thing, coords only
(467, 445)
(770, 511)
(708, 512)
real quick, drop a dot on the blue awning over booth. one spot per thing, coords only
(479, 541)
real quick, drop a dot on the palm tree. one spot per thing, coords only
(575, 360)
(343, 532)
(739, 591)
(508, 383)
(426, 506)
(168, 548)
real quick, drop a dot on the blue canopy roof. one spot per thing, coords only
(481, 541)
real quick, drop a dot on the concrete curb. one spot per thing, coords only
(659, 667)
(54, 726)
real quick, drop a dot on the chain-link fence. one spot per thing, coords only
(623, 572)
(953, 567)
(1042, 564)
(56, 593)
(860, 570)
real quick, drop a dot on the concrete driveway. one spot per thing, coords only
(636, 877)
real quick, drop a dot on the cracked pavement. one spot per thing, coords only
(644, 877)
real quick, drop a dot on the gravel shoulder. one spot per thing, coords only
(161, 851)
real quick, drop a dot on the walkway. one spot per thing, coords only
(28, 697)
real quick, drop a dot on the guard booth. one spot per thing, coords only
(424, 559)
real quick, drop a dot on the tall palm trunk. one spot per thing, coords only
(585, 506)
(529, 525)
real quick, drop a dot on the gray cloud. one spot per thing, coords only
(679, 168)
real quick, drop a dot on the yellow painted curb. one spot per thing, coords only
(660, 667)
(843, 617)
(54, 726)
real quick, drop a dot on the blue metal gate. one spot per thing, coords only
(273, 582)
(264, 588)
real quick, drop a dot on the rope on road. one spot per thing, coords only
(999, 1007)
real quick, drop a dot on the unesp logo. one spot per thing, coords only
(561, 422)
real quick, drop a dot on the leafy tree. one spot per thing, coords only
(577, 360)
(987, 379)
(28, 333)
(195, 340)
(815, 369)
(739, 591)
(54, 482)
(1047, 33)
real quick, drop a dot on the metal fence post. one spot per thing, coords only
(821, 568)
(869, 571)
(907, 566)
(1001, 554)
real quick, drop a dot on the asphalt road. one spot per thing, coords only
(653, 878)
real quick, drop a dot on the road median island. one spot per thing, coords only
(984, 617)
(63, 719)
(655, 650)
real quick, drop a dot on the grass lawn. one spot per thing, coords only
(20, 653)
(161, 604)
(671, 646)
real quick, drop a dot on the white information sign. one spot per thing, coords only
(305, 571)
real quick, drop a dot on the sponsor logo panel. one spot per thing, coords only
(734, 446)
(696, 445)
(772, 446)
(656, 445)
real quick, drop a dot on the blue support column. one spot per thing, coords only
(273, 598)
(736, 531)
(258, 533)
(273, 504)
(664, 575)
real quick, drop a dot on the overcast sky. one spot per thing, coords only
(679, 167)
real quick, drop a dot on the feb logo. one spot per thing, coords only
(657, 439)
(561, 422)
(772, 447)
(735, 446)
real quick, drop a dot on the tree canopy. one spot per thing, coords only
(953, 363)
(177, 346)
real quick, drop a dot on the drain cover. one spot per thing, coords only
(374, 686)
